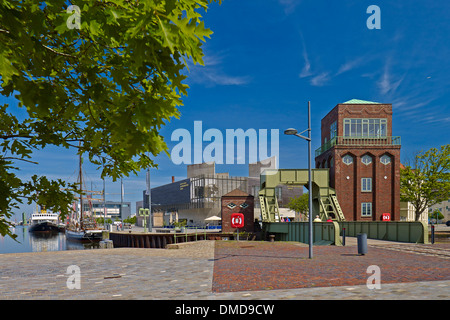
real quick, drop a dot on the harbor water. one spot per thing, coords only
(33, 242)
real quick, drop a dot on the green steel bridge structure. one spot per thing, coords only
(325, 203)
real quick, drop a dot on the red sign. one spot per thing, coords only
(237, 220)
(386, 217)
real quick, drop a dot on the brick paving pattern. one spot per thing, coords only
(229, 270)
(280, 265)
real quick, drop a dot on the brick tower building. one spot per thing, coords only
(363, 158)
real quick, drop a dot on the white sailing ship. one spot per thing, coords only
(82, 225)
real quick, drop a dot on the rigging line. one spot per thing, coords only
(124, 193)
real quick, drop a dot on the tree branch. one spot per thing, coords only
(58, 53)
(15, 136)
(14, 158)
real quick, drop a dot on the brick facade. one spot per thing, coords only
(238, 198)
(346, 179)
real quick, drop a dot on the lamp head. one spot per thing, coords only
(290, 131)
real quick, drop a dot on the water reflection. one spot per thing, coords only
(35, 242)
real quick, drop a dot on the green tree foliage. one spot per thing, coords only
(436, 214)
(105, 88)
(101, 220)
(300, 204)
(426, 181)
(131, 220)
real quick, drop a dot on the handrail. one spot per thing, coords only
(359, 141)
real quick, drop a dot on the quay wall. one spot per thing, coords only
(331, 232)
(161, 240)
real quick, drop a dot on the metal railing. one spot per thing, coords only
(399, 231)
(359, 141)
(324, 232)
(330, 232)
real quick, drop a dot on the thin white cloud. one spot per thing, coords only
(415, 106)
(289, 5)
(429, 117)
(306, 71)
(217, 78)
(349, 65)
(316, 80)
(212, 60)
(211, 74)
(320, 79)
(387, 83)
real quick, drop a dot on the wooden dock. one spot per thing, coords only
(161, 240)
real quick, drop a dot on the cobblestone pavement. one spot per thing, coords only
(280, 265)
(196, 270)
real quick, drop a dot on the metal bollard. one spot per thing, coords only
(343, 236)
(362, 243)
(432, 234)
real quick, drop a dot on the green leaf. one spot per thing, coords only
(166, 36)
(94, 27)
(7, 70)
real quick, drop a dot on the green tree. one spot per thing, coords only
(426, 181)
(105, 86)
(131, 220)
(436, 214)
(299, 204)
(102, 220)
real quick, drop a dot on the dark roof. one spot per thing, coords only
(237, 193)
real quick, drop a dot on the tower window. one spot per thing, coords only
(366, 184)
(347, 159)
(366, 209)
(365, 128)
(333, 130)
(366, 159)
(385, 159)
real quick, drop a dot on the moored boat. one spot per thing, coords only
(87, 232)
(44, 222)
(81, 225)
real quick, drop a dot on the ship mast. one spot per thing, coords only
(81, 187)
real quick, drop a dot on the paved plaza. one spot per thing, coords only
(209, 270)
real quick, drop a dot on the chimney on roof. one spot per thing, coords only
(173, 179)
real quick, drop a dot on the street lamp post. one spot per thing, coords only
(292, 131)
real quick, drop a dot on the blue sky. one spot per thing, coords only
(268, 58)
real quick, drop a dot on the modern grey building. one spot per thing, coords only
(113, 210)
(198, 196)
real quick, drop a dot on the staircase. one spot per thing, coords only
(330, 207)
(340, 215)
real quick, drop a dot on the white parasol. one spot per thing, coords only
(213, 218)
